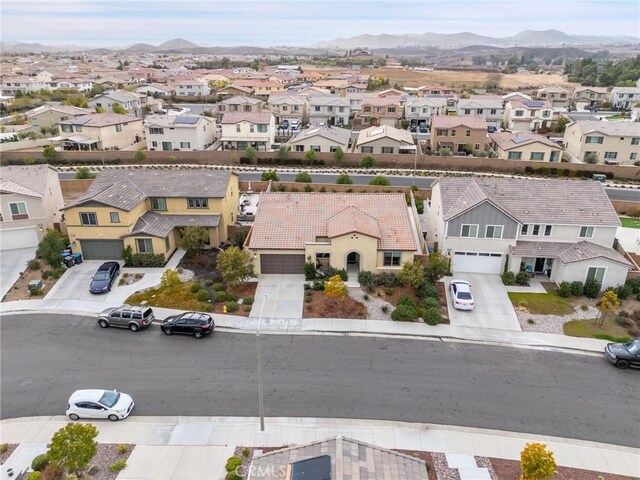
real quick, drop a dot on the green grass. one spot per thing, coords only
(615, 117)
(610, 330)
(179, 297)
(541, 303)
(630, 222)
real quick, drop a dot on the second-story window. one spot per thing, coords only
(547, 230)
(156, 131)
(238, 128)
(88, 219)
(262, 128)
(198, 202)
(18, 211)
(586, 232)
(494, 231)
(119, 127)
(115, 217)
(158, 203)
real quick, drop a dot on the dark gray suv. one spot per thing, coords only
(126, 316)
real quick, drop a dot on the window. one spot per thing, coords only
(596, 273)
(514, 156)
(167, 244)
(67, 128)
(387, 149)
(546, 113)
(635, 141)
(547, 230)
(185, 144)
(119, 127)
(467, 133)
(154, 143)
(315, 148)
(536, 230)
(494, 111)
(480, 111)
(88, 219)
(519, 113)
(247, 108)
(469, 231)
(392, 259)
(391, 109)
(494, 231)
(262, 128)
(633, 156)
(476, 146)
(252, 128)
(555, 156)
(158, 203)
(299, 148)
(586, 232)
(453, 133)
(467, 111)
(524, 230)
(441, 132)
(35, 122)
(317, 108)
(591, 139)
(610, 155)
(156, 131)
(366, 149)
(115, 217)
(341, 109)
(238, 129)
(145, 245)
(18, 211)
(333, 148)
(537, 156)
(198, 202)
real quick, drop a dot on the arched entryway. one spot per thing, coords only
(353, 262)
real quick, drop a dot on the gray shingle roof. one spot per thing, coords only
(622, 129)
(160, 225)
(567, 252)
(27, 180)
(339, 135)
(565, 202)
(350, 459)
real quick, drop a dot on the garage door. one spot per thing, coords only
(282, 263)
(477, 262)
(101, 249)
(18, 238)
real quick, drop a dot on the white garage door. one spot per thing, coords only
(18, 238)
(477, 262)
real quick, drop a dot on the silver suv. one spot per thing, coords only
(126, 316)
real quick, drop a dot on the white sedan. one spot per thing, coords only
(99, 404)
(461, 296)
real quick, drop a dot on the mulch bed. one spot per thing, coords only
(202, 264)
(20, 291)
(444, 308)
(322, 306)
(5, 455)
(510, 470)
(244, 290)
(397, 292)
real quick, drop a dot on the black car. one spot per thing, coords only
(189, 323)
(104, 277)
(623, 355)
(423, 128)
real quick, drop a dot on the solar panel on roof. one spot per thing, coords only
(377, 131)
(186, 120)
(533, 103)
(521, 138)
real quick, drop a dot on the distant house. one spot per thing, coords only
(129, 101)
(233, 91)
(288, 107)
(558, 97)
(182, 132)
(49, 115)
(289, 68)
(490, 107)
(192, 88)
(238, 104)
(329, 109)
(524, 146)
(592, 97)
(515, 96)
(458, 134)
(624, 97)
(527, 115)
(609, 142)
(265, 88)
(248, 129)
(385, 110)
(420, 110)
(156, 89)
(385, 139)
(101, 131)
(321, 139)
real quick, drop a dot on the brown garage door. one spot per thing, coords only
(282, 263)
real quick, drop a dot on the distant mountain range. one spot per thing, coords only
(527, 38)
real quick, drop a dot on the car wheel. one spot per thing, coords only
(134, 327)
(103, 323)
(622, 364)
(74, 417)
(197, 334)
(113, 418)
(168, 331)
(109, 288)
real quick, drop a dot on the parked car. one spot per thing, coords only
(491, 129)
(623, 355)
(284, 124)
(126, 316)
(413, 128)
(423, 128)
(197, 324)
(294, 125)
(109, 404)
(461, 295)
(104, 277)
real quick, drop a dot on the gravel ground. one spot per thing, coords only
(442, 468)
(107, 454)
(186, 275)
(374, 304)
(553, 323)
(485, 462)
(246, 460)
(5, 455)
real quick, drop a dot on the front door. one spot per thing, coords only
(539, 267)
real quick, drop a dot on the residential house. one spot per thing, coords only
(607, 142)
(592, 97)
(101, 131)
(265, 88)
(350, 88)
(624, 98)
(458, 134)
(288, 107)
(355, 231)
(378, 111)
(16, 83)
(233, 91)
(562, 229)
(325, 139)
(179, 132)
(129, 101)
(309, 91)
(147, 210)
(515, 96)
(248, 129)
(332, 84)
(434, 90)
(329, 109)
(238, 104)
(488, 106)
(527, 115)
(156, 89)
(337, 458)
(558, 97)
(525, 146)
(420, 110)
(192, 88)
(391, 92)
(30, 203)
(47, 115)
(385, 139)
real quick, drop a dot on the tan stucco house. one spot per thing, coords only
(458, 133)
(524, 146)
(610, 142)
(147, 209)
(101, 131)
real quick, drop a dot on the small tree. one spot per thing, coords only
(119, 109)
(49, 153)
(235, 265)
(412, 274)
(283, 152)
(338, 154)
(50, 248)
(100, 109)
(311, 155)
(250, 153)
(591, 157)
(73, 446)
(83, 173)
(269, 175)
(344, 179)
(437, 267)
(536, 462)
(367, 161)
(608, 303)
(170, 278)
(335, 287)
(140, 156)
(303, 177)
(380, 180)
(194, 238)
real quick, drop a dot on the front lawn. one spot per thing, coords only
(541, 303)
(629, 222)
(610, 330)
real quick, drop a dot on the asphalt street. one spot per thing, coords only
(46, 357)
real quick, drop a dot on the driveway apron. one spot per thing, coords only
(285, 296)
(12, 264)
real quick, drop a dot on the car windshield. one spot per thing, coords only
(632, 348)
(101, 275)
(109, 398)
(464, 295)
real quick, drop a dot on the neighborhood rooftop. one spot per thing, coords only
(30, 180)
(100, 120)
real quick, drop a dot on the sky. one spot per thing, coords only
(266, 23)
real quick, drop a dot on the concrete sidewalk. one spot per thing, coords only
(175, 448)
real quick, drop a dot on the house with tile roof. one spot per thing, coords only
(592, 97)
(355, 231)
(558, 97)
(561, 229)
(129, 101)
(420, 110)
(148, 209)
(49, 115)
(527, 115)
(379, 111)
(288, 106)
(100, 131)
(458, 134)
(321, 139)
(30, 203)
(385, 139)
(611, 142)
(248, 129)
(624, 97)
(238, 103)
(329, 109)
(524, 146)
(179, 132)
(157, 89)
(488, 106)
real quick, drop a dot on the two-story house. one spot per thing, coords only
(515, 96)
(592, 97)
(488, 106)
(147, 210)
(558, 97)
(129, 101)
(458, 134)
(624, 98)
(524, 146)
(329, 109)
(101, 131)
(248, 129)
(563, 229)
(385, 139)
(527, 115)
(192, 88)
(325, 139)
(156, 89)
(265, 88)
(238, 104)
(47, 116)
(606, 142)
(288, 107)
(179, 132)
(30, 203)
(420, 110)
(379, 111)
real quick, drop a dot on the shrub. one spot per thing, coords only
(250, 153)
(246, 452)
(248, 301)
(634, 283)
(220, 296)
(127, 255)
(122, 448)
(218, 287)
(365, 297)
(624, 291)
(430, 302)
(531, 321)
(338, 154)
(35, 291)
(432, 316)
(584, 307)
(310, 271)
(311, 155)
(50, 247)
(577, 288)
(39, 462)
(269, 175)
(404, 313)
(387, 279)
(331, 271)
(202, 296)
(388, 291)
(233, 476)
(232, 307)
(508, 278)
(34, 476)
(308, 298)
(207, 307)
(344, 179)
(208, 282)
(140, 156)
(522, 278)
(592, 288)
(385, 308)
(426, 290)
(232, 297)
(304, 177)
(380, 180)
(365, 279)
(194, 238)
(33, 264)
(367, 161)
(624, 322)
(412, 274)
(118, 465)
(170, 278)
(46, 274)
(4, 448)
(58, 272)
(233, 463)
(564, 290)
(419, 205)
(283, 152)
(147, 260)
(407, 300)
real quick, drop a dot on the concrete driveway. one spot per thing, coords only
(286, 296)
(629, 238)
(74, 284)
(12, 264)
(492, 308)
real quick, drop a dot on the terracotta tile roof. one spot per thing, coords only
(289, 220)
(474, 122)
